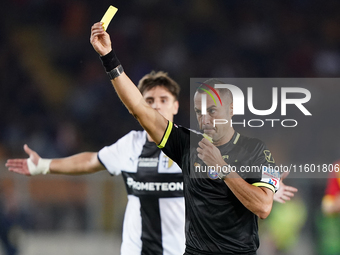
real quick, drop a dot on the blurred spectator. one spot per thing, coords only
(9, 221)
(329, 222)
(190, 39)
(331, 199)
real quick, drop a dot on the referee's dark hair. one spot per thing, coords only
(159, 78)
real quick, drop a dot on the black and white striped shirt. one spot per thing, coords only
(154, 217)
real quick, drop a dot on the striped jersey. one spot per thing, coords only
(154, 216)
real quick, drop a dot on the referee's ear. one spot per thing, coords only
(175, 107)
(231, 109)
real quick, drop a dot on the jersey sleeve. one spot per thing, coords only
(332, 188)
(267, 176)
(174, 142)
(121, 155)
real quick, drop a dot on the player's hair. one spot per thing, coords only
(159, 78)
(222, 92)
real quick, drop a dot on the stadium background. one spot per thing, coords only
(55, 96)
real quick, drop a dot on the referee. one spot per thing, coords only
(221, 213)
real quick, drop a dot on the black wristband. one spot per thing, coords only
(110, 61)
(114, 73)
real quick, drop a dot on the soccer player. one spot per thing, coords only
(331, 199)
(154, 216)
(221, 213)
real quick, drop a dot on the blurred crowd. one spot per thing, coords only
(56, 97)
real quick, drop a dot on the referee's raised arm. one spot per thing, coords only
(152, 121)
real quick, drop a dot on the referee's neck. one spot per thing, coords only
(226, 138)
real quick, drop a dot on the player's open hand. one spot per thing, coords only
(285, 192)
(209, 153)
(100, 39)
(20, 165)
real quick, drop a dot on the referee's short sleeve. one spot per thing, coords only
(268, 176)
(174, 142)
(166, 135)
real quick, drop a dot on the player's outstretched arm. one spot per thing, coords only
(83, 163)
(285, 192)
(153, 122)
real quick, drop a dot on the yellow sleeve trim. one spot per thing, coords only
(236, 138)
(266, 185)
(166, 135)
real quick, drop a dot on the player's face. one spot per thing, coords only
(160, 99)
(220, 133)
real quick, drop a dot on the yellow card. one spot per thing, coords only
(111, 11)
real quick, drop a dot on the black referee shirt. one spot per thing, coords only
(216, 221)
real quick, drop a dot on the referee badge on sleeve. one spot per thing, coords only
(271, 176)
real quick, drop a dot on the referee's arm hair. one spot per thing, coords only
(258, 200)
(152, 121)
